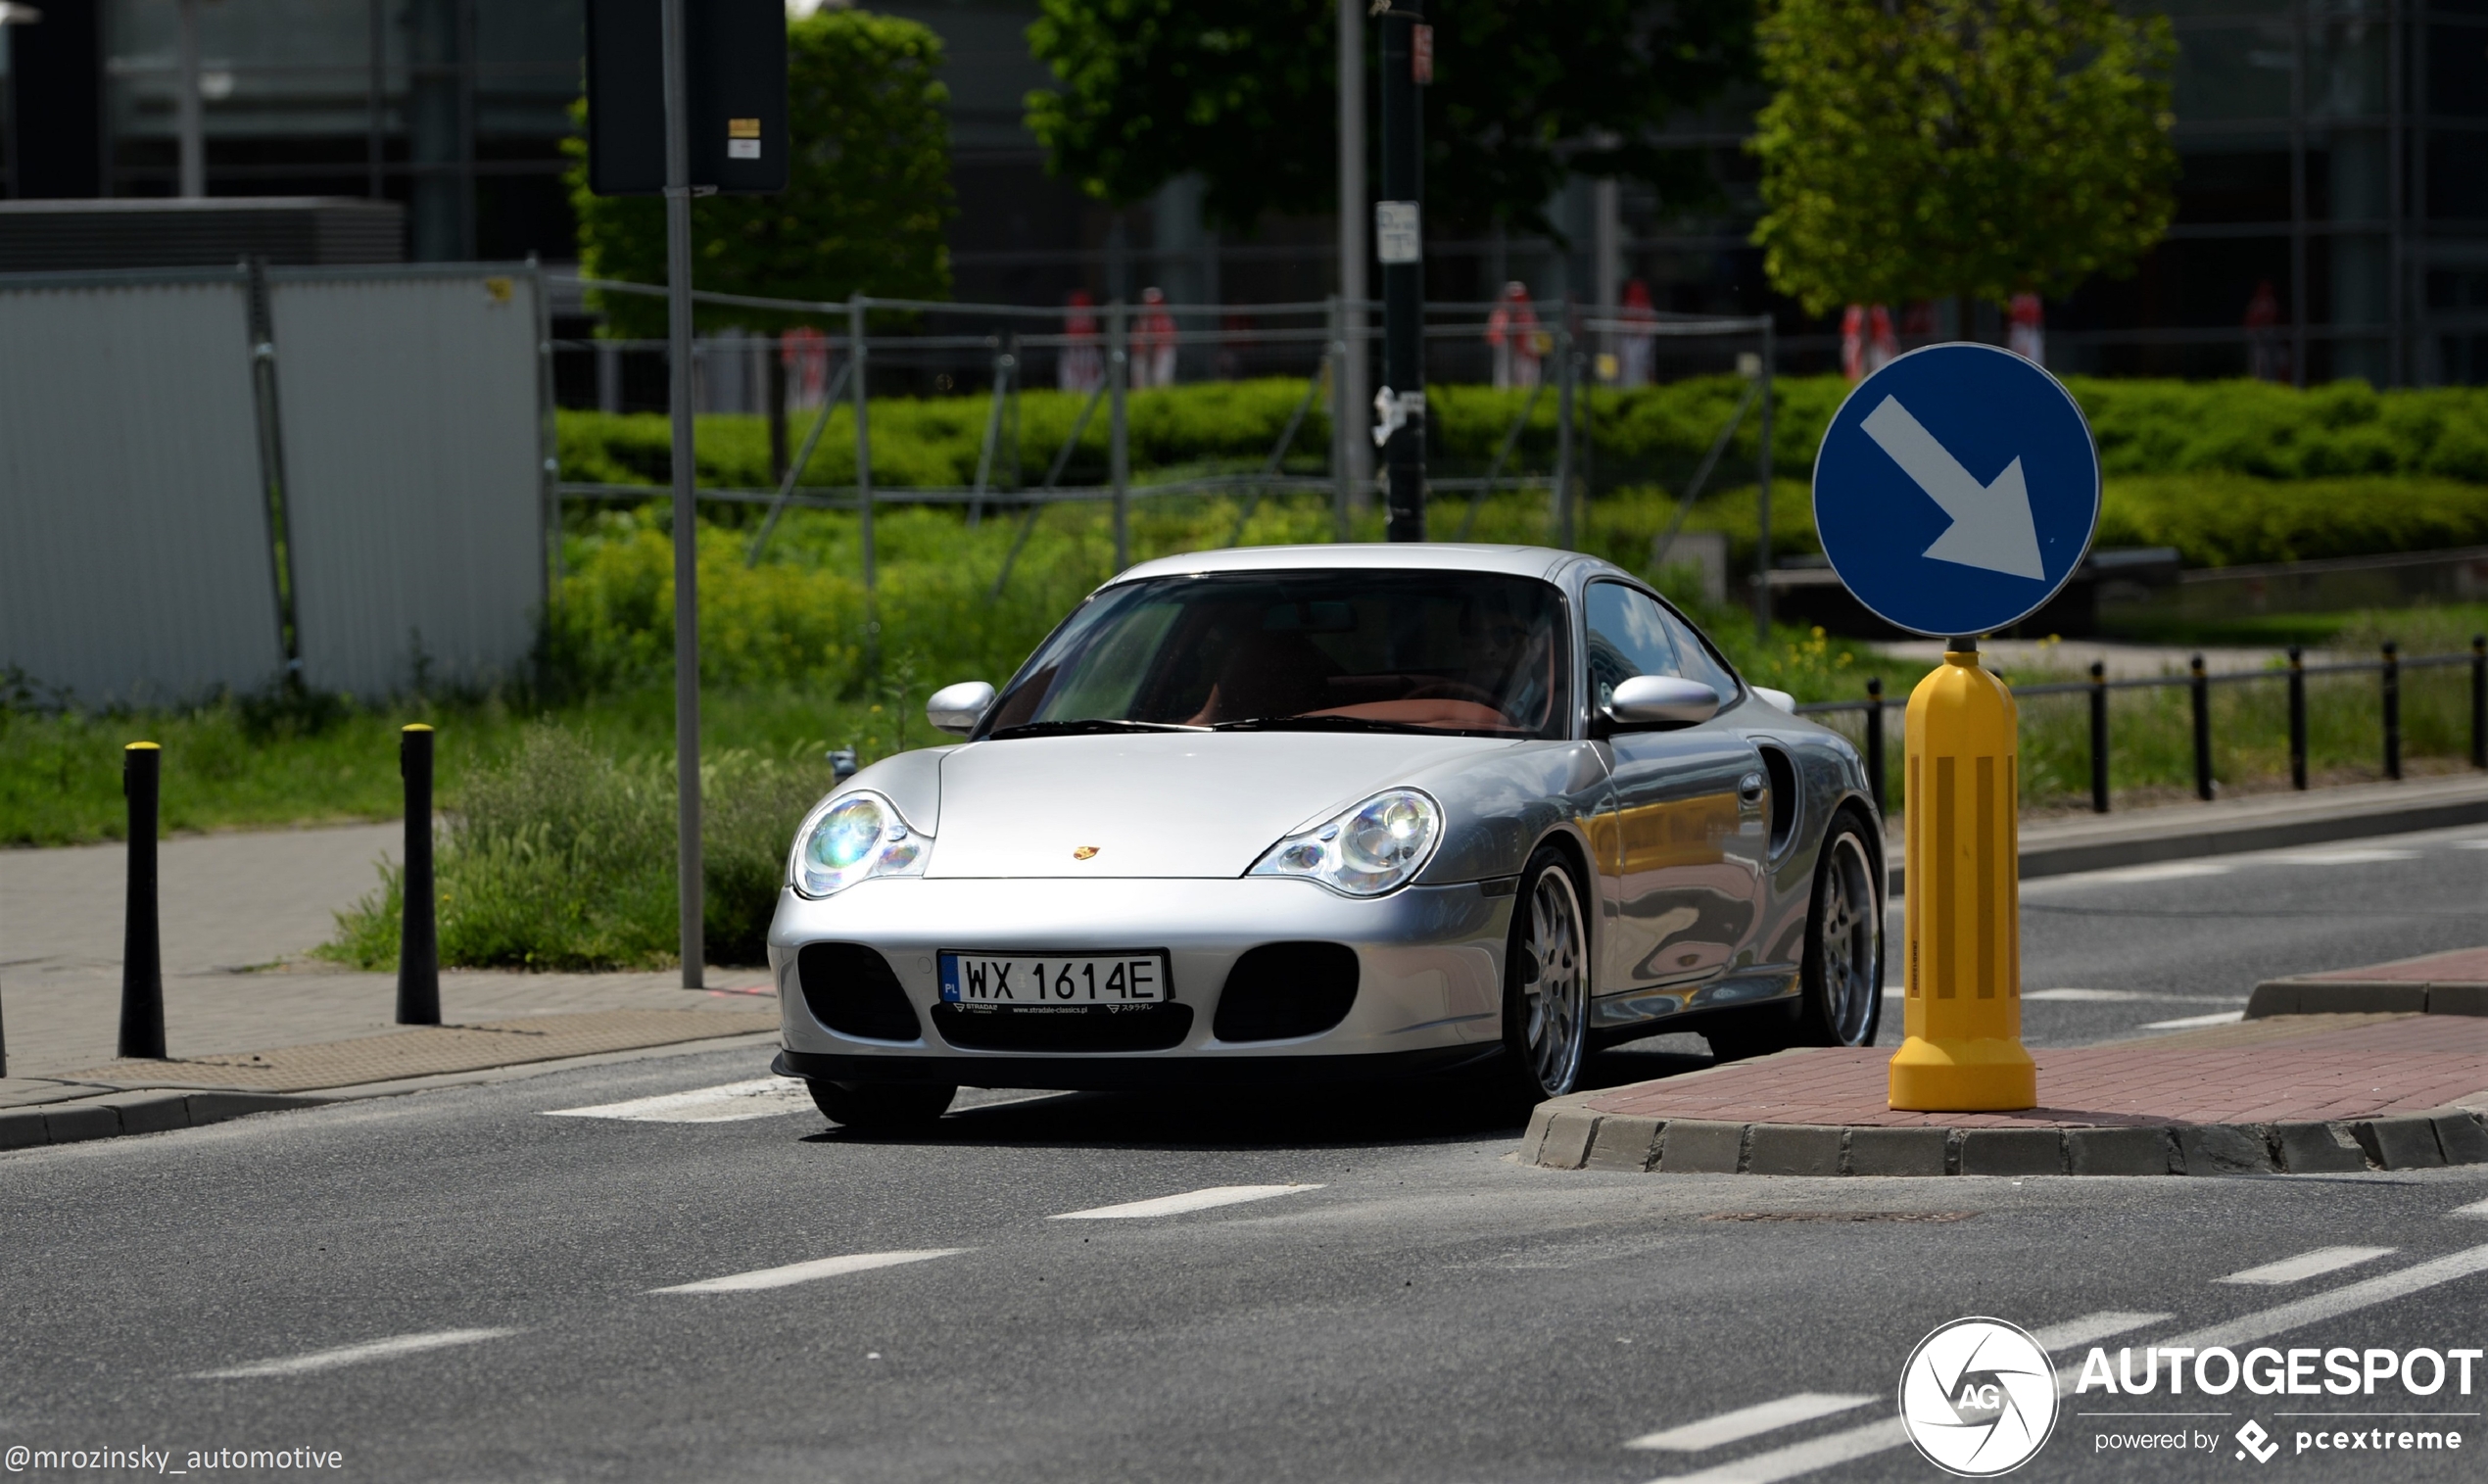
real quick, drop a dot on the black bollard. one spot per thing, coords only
(2392, 711)
(2297, 718)
(2098, 737)
(142, 969)
(1875, 738)
(2479, 700)
(419, 939)
(2202, 689)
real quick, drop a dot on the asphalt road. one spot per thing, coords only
(1419, 1308)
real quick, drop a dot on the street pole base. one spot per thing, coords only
(1985, 1076)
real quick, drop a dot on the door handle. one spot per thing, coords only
(1749, 788)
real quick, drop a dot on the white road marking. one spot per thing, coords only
(1745, 1421)
(2308, 1265)
(355, 1355)
(2348, 855)
(763, 1097)
(2478, 1209)
(1177, 1205)
(2191, 1022)
(2102, 995)
(2165, 871)
(806, 1273)
(2470, 845)
(1876, 1437)
(2091, 1329)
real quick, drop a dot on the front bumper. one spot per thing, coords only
(1429, 984)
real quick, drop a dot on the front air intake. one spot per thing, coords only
(1280, 991)
(851, 989)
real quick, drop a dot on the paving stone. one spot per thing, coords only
(1897, 1151)
(2464, 1137)
(2012, 1151)
(1567, 1138)
(2400, 1143)
(149, 1112)
(1624, 1141)
(2223, 1149)
(1793, 1149)
(2119, 1151)
(69, 1122)
(2319, 1148)
(1696, 1146)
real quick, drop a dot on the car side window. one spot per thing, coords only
(1700, 662)
(1626, 634)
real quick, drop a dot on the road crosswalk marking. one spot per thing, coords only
(1178, 1205)
(760, 1098)
(355, 1355)
(806, 1273)
(2307, 1264)
(1747, 1422)
(2091, 1329)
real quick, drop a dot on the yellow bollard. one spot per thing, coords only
(1963, 1016)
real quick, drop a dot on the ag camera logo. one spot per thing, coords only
(1978, 1398)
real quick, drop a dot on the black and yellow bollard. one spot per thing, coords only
(142, 968)
(418, 939)
(1963, 1050)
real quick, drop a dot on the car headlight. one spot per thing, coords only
(853, 836)
(1374, 848)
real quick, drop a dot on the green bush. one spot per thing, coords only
(561, 856)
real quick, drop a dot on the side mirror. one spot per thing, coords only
(1660, 700)
(955, 708)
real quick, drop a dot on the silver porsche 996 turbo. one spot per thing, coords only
(1337, 811)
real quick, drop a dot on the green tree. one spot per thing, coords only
(1526, 93)
(1972, 149)
(867, 197)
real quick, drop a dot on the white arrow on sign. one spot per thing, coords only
(1991, 525)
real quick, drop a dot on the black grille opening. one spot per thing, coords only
(851, 989)
(1278, 991)
(1084, 1027)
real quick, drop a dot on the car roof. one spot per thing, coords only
(1541, 562)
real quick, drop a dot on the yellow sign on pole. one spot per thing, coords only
(1963, 1050)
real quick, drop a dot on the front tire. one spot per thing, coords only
(878, 1106)
(1547, 982)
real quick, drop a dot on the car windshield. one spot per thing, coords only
(1416, 651)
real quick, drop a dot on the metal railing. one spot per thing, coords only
(2389, 667)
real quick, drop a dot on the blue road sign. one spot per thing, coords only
(1956, 490)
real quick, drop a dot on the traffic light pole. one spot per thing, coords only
(678, 306)
(1399, 242)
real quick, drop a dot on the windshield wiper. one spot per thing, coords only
(1093, 725)
(1323, 724)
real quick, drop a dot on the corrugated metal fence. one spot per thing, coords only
(204, 476)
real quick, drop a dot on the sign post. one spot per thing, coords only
(1398, 245)
(1956, 491)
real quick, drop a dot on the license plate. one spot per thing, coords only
(1041, 980)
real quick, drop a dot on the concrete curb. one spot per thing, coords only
(2148, 836)
(157, 1110)
(1564, 1134)
(2358, 996)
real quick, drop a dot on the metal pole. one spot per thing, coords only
(1563, 429)
(142, 973)
(1762, 493)
(2098, 737)
(418, 939)
(1117, 427)
(2479, 700)
(678, 335)
(1355, 252)
(375, 99)
(2297, 719)
(860, 358)
(1404, 274)
(1875, 741)
(189, 124)
(2201, 686)
(2392, 711)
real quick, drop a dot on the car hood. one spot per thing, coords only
(1164, 804)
